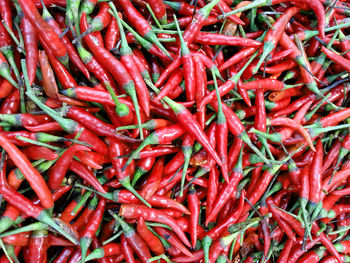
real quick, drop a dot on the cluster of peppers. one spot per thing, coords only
(175, 131)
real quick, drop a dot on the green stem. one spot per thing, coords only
(153, 16)
(56, 148)
(256, 3)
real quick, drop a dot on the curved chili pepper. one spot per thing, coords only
(5, 11)
(84, 172)
(91, 228)
(127, 250)
(291, 124)
(297, 251)
(141, 25)
(115, 67)
(152, 241)
(112, 34)
(72, 53)
(142, 166)
(115, 150)
(129, 62)
(49, 82)
(62, 73)
(5, 71)
(153, 180)
(30, 37)
(99, 127)
(192, 30)
(44, 30)
(136, 211)
(228, 190)
(134, 240)
(169, 237)
(58, 171)
(273, 35)
(23, 204)
(30, 173)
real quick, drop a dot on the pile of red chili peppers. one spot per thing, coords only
(175, 131)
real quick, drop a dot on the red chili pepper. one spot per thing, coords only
(199, 19)
(30, 173)
(188, 68)
(112, 34)
(136, 211)
(260, 121)
(58, 171)
(84, 172)
(30, 37)
(5, 88)
(49, 82)
(158, 7)
(228, 190)
(44, 30)
(297, 251)
(153, 180)
(94, 95)
(273, 35)
(72, 53)
(91, 122)
(134, 240)
(127, 58)
(216, 231)
(194, 207)
(169, 237)
(28, 208)
(38, 245)
(141, 25)
(38, 152)
(62, 73)
(5, 11)
(283, 257)
(152, 241)
(64, 255)
(343, 62)
(182, 8)
(21, 239)
(115, 67)
(196, 255)
(219, 39)
(127, 250)
(91, 228)
(108, 250)
(315, 178)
